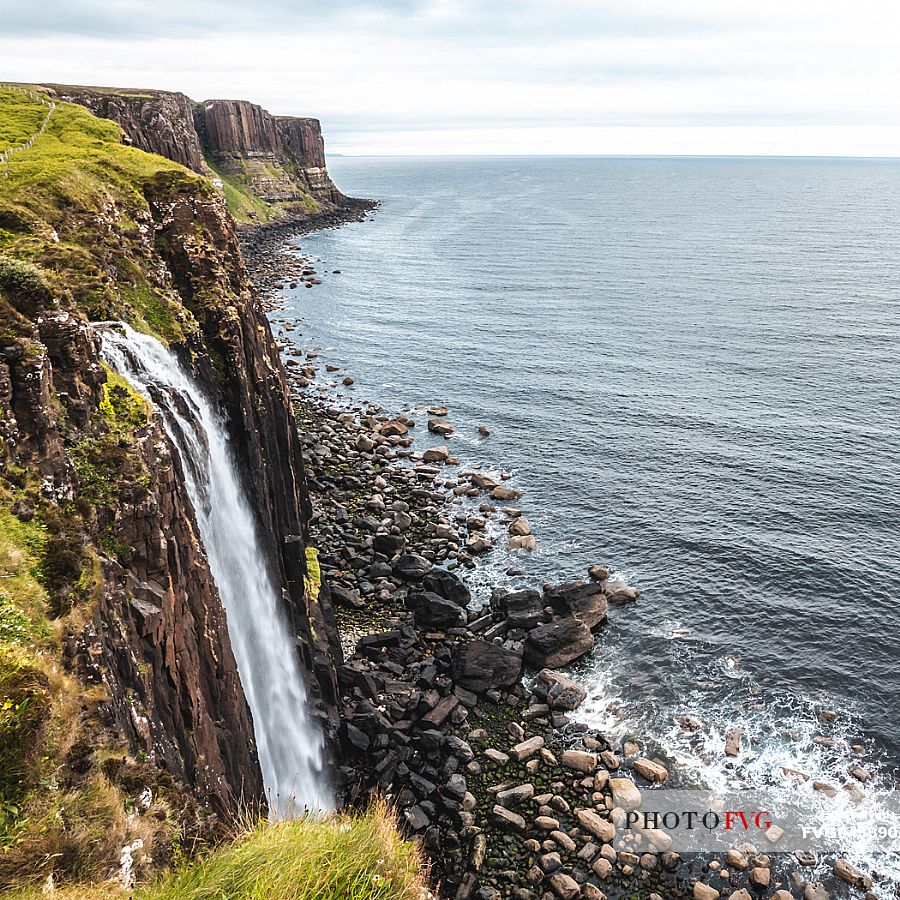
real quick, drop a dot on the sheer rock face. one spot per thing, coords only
(281, 158)
(150, 626)
(156, 121)
(213, 282)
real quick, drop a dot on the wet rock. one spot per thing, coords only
(851, 875)
(522, 542)
(619, 592)
(508, 819)
(651, 770)
(816, 891)
(515, 796)
(595, 825)
(524, 609)
(478, 544)
(526, 749)
(435, 611)
(439, 426)
(733, 742)
(505, 494)
(484, 432)
(760, 876)
(388, 544)
(436, 455)
(602, 868)
(598, 573)
(557, 643)
(579, 761)
(519, 526)
(562, 692)
(704, 892)
(482, 666)
(564, 886)
(497, 757)
(585, 602)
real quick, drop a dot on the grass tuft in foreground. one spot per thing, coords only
(343, 858)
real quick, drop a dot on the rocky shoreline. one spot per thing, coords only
(457, 714)
(271, 261)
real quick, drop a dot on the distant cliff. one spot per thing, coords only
(267, 166)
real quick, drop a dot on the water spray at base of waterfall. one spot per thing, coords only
(290, 746)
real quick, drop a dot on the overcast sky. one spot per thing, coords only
(497, 76)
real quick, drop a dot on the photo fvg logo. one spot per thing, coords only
(691, 819)
(705, 822)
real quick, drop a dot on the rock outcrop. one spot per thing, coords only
(280, 159)
(159, 122)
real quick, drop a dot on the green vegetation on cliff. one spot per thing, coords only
(75, 205)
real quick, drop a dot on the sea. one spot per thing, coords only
(691, 368)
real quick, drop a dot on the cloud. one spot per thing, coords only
(442, 68)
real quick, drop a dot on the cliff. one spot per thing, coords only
(267, 166)
(133, 672)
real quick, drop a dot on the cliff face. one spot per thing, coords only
(279, 160)
(129, 584)
(283, 156)
(250, 380)
(154, 121)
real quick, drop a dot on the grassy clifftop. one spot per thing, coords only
(74, 204)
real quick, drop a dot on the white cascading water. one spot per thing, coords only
(290, 745)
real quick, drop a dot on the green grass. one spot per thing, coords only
(359, 858)
(77, 208)
(21, 119)
(23, 602)
(243, 204)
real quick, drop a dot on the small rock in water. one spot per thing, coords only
(348, 380)
(519, 526)
(439, 426)
(651, 770)
(436, 454)
(733, 742)
(484, 432)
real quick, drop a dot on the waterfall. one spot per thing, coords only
(290, 745)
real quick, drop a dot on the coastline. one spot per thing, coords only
(263, 245)
(356, 454)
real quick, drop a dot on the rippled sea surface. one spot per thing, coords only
(692, 368)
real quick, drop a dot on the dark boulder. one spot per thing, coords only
(435, 611)
(557, 643)
(524, 609)
(388, 544)
(412, 567)
(445, 583)
(481, 666)
(585, 602)
(342, 596)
